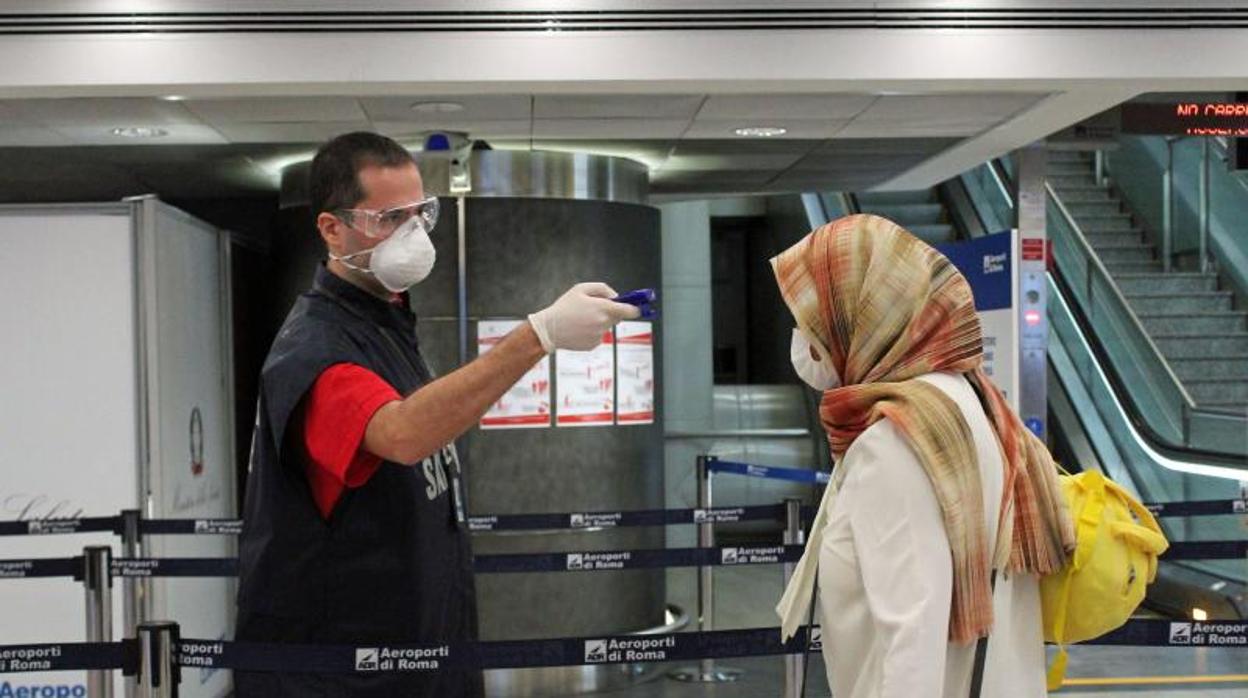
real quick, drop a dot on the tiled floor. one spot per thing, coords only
(744, 598)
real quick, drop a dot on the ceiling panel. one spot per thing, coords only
(609, 128)
(475, 107)
(670, 178)
(277, 109)
(796, 128)
(102, 113)
(175, 134)
(616, 106)
(30, 136)
(781, 106)
(937, 115)
(744, 145)
(289, 132)
(729, 161)
(481, 130)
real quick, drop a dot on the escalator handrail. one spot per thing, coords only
(1093, 259)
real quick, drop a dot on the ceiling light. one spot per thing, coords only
(139, 132)
(173, 98)
(761, 131)
(437, 107)
(1199, 614)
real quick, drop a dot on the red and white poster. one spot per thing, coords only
(527, 404)
(635, 373)
(586, 388)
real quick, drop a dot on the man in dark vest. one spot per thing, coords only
(354, 529)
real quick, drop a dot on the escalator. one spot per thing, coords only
(1115, 403)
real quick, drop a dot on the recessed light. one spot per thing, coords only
(139, 132)
(173, 98)
(437, 107)
(761, 131)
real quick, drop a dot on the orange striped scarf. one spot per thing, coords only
(886, 308)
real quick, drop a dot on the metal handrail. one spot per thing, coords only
(1094, 262)
(1001, 186)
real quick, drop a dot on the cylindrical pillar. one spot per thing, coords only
(158, 675)
(98, 581)
(794, 664)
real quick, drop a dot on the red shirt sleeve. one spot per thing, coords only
(336, 413)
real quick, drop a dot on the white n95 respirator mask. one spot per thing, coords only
(817, 373)
(400, 261)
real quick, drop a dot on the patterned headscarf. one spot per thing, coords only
(886, 308)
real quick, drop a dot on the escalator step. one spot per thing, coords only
(1233, 367)
(1201, 346)
(1135, 268)
(1218, 390)
(1173, 303)
(1166, 283)
(1195, 323)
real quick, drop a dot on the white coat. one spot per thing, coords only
(886, 575)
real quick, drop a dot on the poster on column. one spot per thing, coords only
(990, 266)
(634, 373)
(586, 386)
(527, 404)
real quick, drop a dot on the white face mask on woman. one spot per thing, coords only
(400, 261)
(817, 373)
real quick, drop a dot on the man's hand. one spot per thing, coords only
(580, 317)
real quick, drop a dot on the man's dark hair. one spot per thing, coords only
(335, 183)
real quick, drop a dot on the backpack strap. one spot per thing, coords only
(981, 652)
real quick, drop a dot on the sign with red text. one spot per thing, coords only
(634, 373)
(586, 386)
(527, 404)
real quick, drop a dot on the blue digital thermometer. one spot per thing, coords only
(643, 299)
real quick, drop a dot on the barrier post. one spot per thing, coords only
(706, 672)
(132, 599)
(794, 664)
(158, 676)
(97, 579)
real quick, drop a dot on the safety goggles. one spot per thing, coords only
(381, 223)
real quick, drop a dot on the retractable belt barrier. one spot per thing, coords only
(584, 561)
(369, 658)
(568, 520)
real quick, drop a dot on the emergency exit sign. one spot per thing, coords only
(1186, 119)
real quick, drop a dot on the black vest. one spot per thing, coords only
(392, 564)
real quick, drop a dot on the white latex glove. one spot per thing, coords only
(579, 318)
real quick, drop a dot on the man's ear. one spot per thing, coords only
(331, 232)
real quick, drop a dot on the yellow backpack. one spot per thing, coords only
(1117, 542)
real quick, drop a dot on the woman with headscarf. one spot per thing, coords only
(937, 482)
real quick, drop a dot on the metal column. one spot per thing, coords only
(97, 579)
(131, 587)
(794, 664)
(1167, 202)
(1204, 205)
(706, 672)
(1030, 205)
(158, 675)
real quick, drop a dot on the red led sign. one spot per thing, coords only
(1186, 119)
